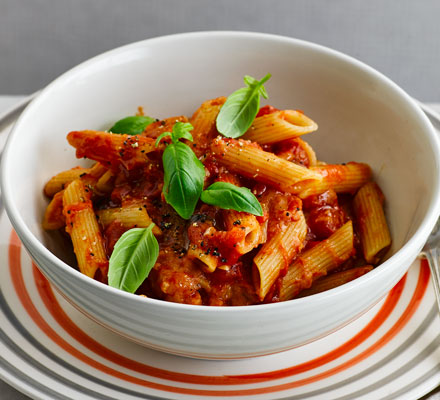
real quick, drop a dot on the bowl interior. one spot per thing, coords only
(361, 116)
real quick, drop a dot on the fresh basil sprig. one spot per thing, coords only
(228, 196)
(133, 257)
(132, 125)
(241, 107)
(184, 174)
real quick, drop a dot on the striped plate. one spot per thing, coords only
(49, 350)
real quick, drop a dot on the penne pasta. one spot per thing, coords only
(283, 221)
(206, 261)
(311, 155)
(249, 160)
(343, 178)
(250, 225)
(83, 229)
(334, 280)
(297, 151)
(132, 215)
(371, 222)
(248, 222)
(53, 216)
(277, 253)
(155, 129)
(204, 123)
(59, 181)
(317, 262)
(105, 183)
(112, 150)
(279, 126)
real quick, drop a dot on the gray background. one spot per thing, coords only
(40, 39)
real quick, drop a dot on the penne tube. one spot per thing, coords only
(249, 160)
(371, 221)
(311, 155)
(334, 280)
(155, 129)
(204, 123)
(249, 224)
(297, 151)
(277, 253)
(106, 182)
(342, 178)
(279, 126)
(133, 215)
(317, 262)
(112, 150)
(83, 229)
(207, 262)
(59, 181)
(53, 216)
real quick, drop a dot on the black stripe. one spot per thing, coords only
(43, 391)
(390, 357)
(50, 373)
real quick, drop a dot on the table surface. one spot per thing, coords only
(7, 392)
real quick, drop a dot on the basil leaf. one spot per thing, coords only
(132, 125)
(228, 196)
(184, 176)
(181, 130)
(133, 258)
(161, 136)
(241, 107)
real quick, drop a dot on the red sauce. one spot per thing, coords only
(266, 110)
(177, 276)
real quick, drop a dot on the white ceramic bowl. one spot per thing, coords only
(362, 116)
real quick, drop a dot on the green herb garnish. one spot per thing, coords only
(184, 174)
(241, 107)
(133, 125)
(228, 196)
(133, 257)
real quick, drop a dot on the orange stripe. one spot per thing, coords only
(62, 318)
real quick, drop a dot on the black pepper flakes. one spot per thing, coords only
(238, 222)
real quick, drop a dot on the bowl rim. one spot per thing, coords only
(407, 251)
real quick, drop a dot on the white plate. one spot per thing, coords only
(49, 350)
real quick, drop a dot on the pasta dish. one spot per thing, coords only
(215, 210)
